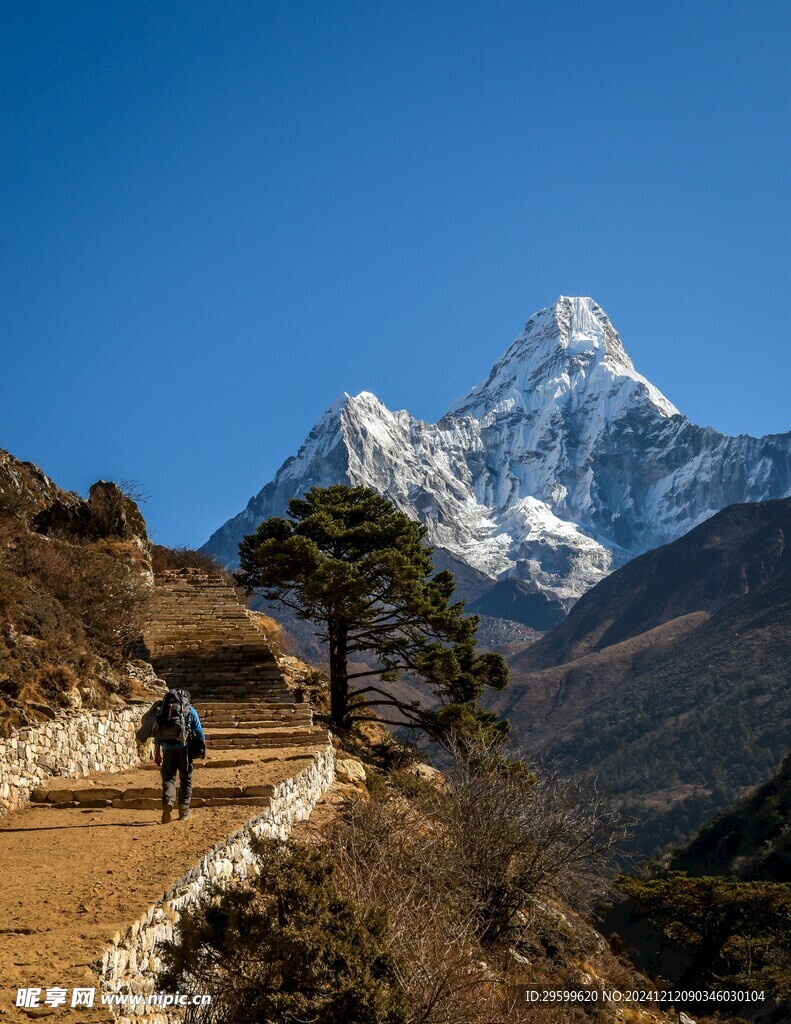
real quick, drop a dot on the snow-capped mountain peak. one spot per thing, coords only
(566, 348)
(563, 464)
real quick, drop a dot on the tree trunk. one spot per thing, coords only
(339, 676)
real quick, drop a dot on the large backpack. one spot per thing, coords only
(149, 723)
(173, 719)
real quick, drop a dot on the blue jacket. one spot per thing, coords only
(196, 729)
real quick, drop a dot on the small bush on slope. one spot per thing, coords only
(291, 947)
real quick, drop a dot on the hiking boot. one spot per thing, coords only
(167, 813)
(184, 812)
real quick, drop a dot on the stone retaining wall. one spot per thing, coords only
(71, 746)
(131, 964)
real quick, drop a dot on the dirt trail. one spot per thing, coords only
(71, 878)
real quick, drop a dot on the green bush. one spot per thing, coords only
(292, 947)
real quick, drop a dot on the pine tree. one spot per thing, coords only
(348, 560)
(731, 932)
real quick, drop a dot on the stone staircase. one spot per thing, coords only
(201, 638)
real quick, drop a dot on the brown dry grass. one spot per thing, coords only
(68, 613)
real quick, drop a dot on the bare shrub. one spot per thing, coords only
(512, 833)
(105, 595)
(133, 489)
(384, 861)
(164, 558)
(468, 869)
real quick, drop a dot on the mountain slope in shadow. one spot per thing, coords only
(670, 680)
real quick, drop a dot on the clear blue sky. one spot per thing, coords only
(216, 217)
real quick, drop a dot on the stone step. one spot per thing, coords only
(209, 686)
(212, 721)
(150, 798)
(223, 653)
(229, 701)
(225, 668)
(251, 686)
(210, 728)
(222, 733)
(174, 613)
(235, 676)
(257, 710)
(260, 744)
(274, 711)
(251, 680)
(237, 694)
(219, 632)
(235, 702)
(266, 739)
(229, 675)
(257, 703)
(277, 707)
(277, 701)
(202, 657)
(227, 686)
(248, 700)
(264, 744)
(172, 617)
(206, 687)
(226, 739)
(216, 629)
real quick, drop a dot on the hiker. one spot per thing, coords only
(178, 740)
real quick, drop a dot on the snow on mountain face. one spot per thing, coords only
(568, 347)
(561, 466)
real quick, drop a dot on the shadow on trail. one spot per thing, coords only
(86, 824)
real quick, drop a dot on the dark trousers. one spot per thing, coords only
(176, 761)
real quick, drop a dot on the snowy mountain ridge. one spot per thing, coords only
(561, 466)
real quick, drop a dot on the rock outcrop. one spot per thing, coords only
(75, 575)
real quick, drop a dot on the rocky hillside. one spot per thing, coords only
(561, 466)
(74, 580)
(670, 679)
